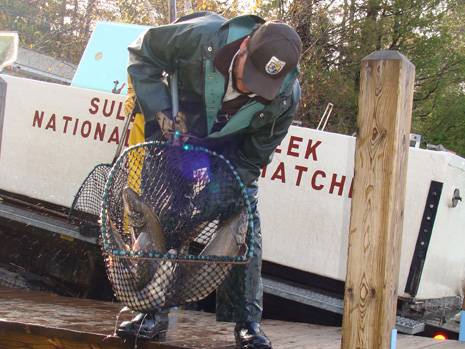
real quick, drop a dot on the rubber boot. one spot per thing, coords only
(145, 326)
(250, 335)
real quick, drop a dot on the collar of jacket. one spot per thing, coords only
(229, 32)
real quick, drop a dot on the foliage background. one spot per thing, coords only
(336, 35)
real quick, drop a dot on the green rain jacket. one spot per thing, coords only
(188, 46)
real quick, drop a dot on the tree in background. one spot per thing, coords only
(62, 28)
(59, 28)
(440, 103)
(337, 35)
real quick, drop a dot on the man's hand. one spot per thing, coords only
(166, 123)
(180, 124)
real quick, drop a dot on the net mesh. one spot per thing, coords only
(87, 203)
(175, 219)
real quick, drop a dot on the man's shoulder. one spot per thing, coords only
(202, 17)
(207, 18)
(197, 25)
(209, 24)
(241, 26)
(246, 20)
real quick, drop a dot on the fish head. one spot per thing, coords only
(240, 232)
(145, 222)
(136, 209)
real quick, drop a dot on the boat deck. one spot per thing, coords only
(34, 319)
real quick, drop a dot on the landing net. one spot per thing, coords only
(175, 219)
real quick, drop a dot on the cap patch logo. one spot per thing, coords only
(274, 66)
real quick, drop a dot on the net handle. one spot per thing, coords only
(123, 138)
(175, 104)
(174, 79)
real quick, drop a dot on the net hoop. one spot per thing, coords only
(181, 197)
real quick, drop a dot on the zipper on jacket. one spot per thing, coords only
(272, 129)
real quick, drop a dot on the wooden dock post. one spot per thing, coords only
(377, 213)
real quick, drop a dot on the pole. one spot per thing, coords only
(174, 78)
(173, 15)
(380, 176)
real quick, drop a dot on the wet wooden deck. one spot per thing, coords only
(41, 320)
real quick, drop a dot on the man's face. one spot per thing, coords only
(238, 69)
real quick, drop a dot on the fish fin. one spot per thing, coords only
(242, 250)
(118, 237)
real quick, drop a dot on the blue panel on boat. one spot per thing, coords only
(105, 59)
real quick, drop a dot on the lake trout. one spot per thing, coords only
(147, 297)
(229, 240)
(148, 231)
(149, 236)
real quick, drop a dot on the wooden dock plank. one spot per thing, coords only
(43, 320)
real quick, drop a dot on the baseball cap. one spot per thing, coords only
(273, 51)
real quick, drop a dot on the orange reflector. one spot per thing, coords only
(440, 337)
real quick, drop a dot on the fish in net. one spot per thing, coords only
(174, 221)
